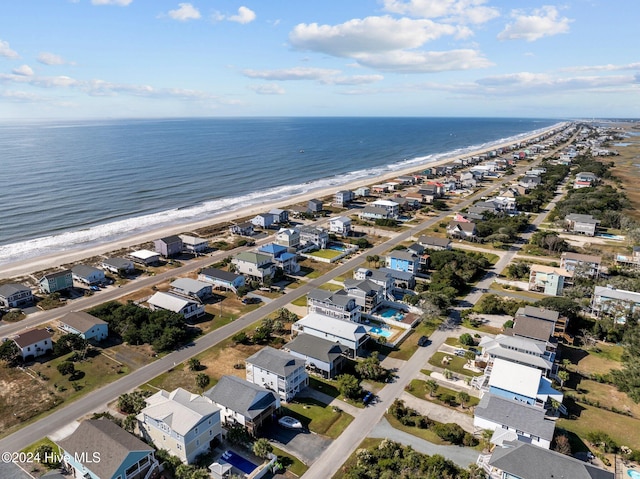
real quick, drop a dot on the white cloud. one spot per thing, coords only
(425, 62)
(296, 73)
(52, 59)
(121, 3)
(24, 70)
(185, 12)
(353, 80)
(6, 51)
(245, 15)
(606, 68)
(268, 89)
(462, 11)
(543, 22)
(21, 96)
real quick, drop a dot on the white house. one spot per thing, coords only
(33, 343)
(288, 237)
(314, 236)
(14, 295)
(340, 225)
(194, 244)
(145, 256)
(118, 265)
(84, 325)
(617, 303)
(191, 288)
(336, 304)
(262, 220)
(391, 206)
(177, 304)
(277, 371)
(180, 422)
(347, 333)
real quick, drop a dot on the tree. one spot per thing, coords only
(463, 398)
(627, 379)
(202, 380)
(432, 386)
(134, 402)
(349, 386)
(188, 471)
(130, 422)
(45, 456)
(194, 364)
(237, 435)
(9, 352)
(262, 448)
(69, 342)
(370, 368)
(466, 339)
(66, 367)
(240, 338)
(563, 376)
(562, 445)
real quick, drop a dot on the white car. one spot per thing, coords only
(290, 422)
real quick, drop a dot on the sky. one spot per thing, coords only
(105, 59)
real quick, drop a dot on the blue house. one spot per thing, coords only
(403, 260)
(100, 449)
(58, 281)
(286, 261)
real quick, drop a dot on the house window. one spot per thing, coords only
(197, 442)
(196, 430)
(210, 432)
(179, 446)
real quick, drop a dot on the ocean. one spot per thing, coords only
(72, 184)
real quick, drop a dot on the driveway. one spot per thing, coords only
(305, 445)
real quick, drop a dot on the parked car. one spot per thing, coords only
(251, 300)
(423, 341)
(93, 287)
(460, 352)
(290, 422)
(368, 397)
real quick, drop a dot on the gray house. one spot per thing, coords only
(314, 205)
(118, 265)
(87, 274)
(169, 246)
(321, 356)
(222, 279)
(14, 295)
(191, 288)
(581, 224)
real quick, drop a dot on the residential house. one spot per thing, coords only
(191, 288)
(520, 460)
(380, 189)
(530, 314)
(314, 236)
(367, 294)
(222, 279)
(335, 304)
(120, 266)
(283, 259)
(581, 224)
(548, 279)
(435, 243)
(391, 206)
(242, 229)
(33, 343)
(288, 237)
(177, 304)
(617, 303)
(373, 213)
(632, 260)
(377, 277)
(14, 295)
(518, 350)
(512, 420)
(321, 356)
(84, 325)
(403, 260)
(460, 230)
(262, 220)
(254, 265)
(363, 191)
(340, 225)
(314, 205)
(530, 181)
(242, 402)
(483, 207)
(584, 265)
(87, 274)
(343, 197)
(585, 179)
(100, 449)
(145, 257)
(194, 245)
(352, 335)
(169, 246)
(180, 422)
(55, 282)
(402, 280)
(416, 198)
(278, 371)
(279, 216)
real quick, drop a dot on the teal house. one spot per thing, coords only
(58, 281)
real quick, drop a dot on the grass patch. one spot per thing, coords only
(324, 387)
(592, 361)
(410, 345)
(481, 328)
(455, 364)
(330, 287)
(418, 388)
(426, 434)
(318, 417)
(301, 301)
(326, 253)
(293, 464)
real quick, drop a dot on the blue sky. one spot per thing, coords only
(158, 58)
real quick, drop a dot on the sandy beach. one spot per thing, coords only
(41, 263)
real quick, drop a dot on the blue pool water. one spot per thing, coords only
(336, 247)
(391, 313)
(610, 236)
(381, 332)
(633, 474)
(239, 462)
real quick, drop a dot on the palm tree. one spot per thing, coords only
(369, 260)
(464, 398)
(563, 376)
(432, 386)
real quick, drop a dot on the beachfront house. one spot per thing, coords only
(119, 266)
(221, 279)
(278, 371)
(352, 335)
(334, 304)
(391, 206)
(262, 220)
(582, 265)
(194, 244)
(33, 343)
(581, 224)
(283, 259)
(321, 356)
(313, 237)
(100, 449)
(362, 191)
(188, 308)
(56, 282)
(340, 225)
(242, 229)
(191, 288)
(145, 257)
(629, 260)
(180, 422)
(87, 274)
(343, 197)
(242, 402)
(14, 295)
(254, 265)
(616, 303)
(288, 237)
(314, 205)
(279, 216)
(169, 246)
(84, 325)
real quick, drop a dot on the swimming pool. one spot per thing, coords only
(610, 236)
(391, 313)
(381, 332)
(336, 247)
(239, 462)
(633, 474)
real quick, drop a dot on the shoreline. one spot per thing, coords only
(29, 266)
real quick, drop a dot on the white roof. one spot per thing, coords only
(340, 219)
(193, 240)
(515, 378)
(190, 285)
(169, 302)
(335, 327)
(180, 409)
(144, 254)
(385, 203)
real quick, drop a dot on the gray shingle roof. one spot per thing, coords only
(241, 396)
(535, 328)
(339, 298)
(275, 361)
(81, 321)
(84, 271)
(10, 289)
(542, 313)
(316, 348)
(220, 274)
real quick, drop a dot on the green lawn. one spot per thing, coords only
(292, 463)
(326, 253)
(426, 434)
(410, 345)
(301, 301)
(418, 388)
(318, 417)
(455, 364)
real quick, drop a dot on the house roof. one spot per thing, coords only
(220, 274)
(527, 461)
(81, 321)
(374, 210)
(189, 285)
(85, 271)
(587, 258)
(404, 255)
(272, 249)
(339, 298)
(468, 227)
(276, 361)
(10, 289)
(251, 257)
(316, 348)
(580, 218)
(365, 285)
(193, 240)
(103, 435)
(514, 342)
(515, 378)
(169, 301)
(396, 274)
(516, 415)
(241, 396)
(614, 293)
(57, 274)
(540, 313)
(535, 328)
(119, 263)
(543, 268)
(144, 254)
(179, 409)
(171, 239)
(340, 219)
(428, 241)
(31, 337)
(333, 326)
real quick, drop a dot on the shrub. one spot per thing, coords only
(466, 339)
(66, 367)
(450, 432)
